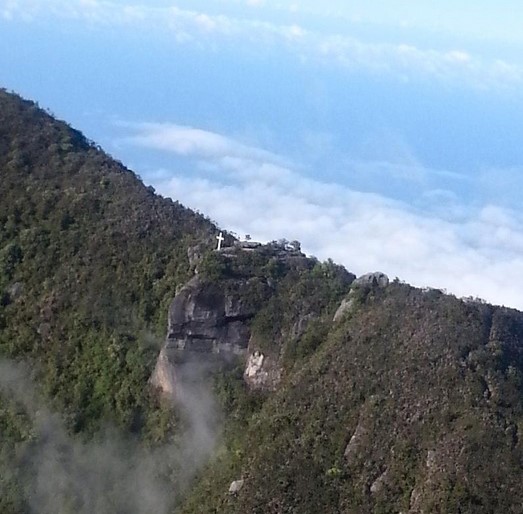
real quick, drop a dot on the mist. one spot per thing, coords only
(109, 474)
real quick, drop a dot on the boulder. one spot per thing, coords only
(375, 279)
(236, 486)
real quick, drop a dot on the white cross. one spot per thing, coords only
(220, 240)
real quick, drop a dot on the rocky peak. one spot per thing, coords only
(233, 308)
(374, 279)
(209, 318)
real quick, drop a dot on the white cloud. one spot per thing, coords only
(189, 141)
(480, 255)
(406, 61)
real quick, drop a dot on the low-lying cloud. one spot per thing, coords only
(109, 474)
(468, 250)
(193, 142)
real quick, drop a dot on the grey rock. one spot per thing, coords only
(164, 375)
(236, 486)
(356, 444)
(379, 484)
(431, 460)
(345, 307)
(376, 278)
(208, 322)
(248, 245)
(262, 372)
(205, 317)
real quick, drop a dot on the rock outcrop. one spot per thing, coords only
(164, 376)
(262, 372)
(236, 486)
(206, 317)
(345, 307)
(376, 278)
(365, 282)
(209, 319)
(262, 304)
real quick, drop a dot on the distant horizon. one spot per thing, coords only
(385, 136)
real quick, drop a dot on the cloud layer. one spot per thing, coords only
(110, 473)
(457, 231)
(405, 61)
(478, 253)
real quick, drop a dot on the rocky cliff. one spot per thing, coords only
(208, 321)
(221, 314)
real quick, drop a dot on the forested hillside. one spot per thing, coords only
(412, 403)
(344, 396)
(89, 260)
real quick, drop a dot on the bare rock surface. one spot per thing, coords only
(262, 372)
(205, 317)
(209, 319)
(377, 278)
(236, 486)
(344, 308)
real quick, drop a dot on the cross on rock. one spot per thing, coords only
(220, 240)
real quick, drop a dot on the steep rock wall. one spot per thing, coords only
(264, 305)
(208, 322)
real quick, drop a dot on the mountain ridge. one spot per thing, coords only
(388, 398)
(393, 413)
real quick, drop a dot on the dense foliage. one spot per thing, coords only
(410, 402)
(89, 260)
(413, 403)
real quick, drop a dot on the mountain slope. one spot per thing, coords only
(413, 403)
(401, 400)
(89, 261)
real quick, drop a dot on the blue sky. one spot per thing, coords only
(385, 135)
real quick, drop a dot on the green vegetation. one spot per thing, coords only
(295, 320)
(89, 261)
(403, 406)
(411, 402)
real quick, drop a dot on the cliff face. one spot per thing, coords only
(208, 321)
(205, 317)
(226, 312)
